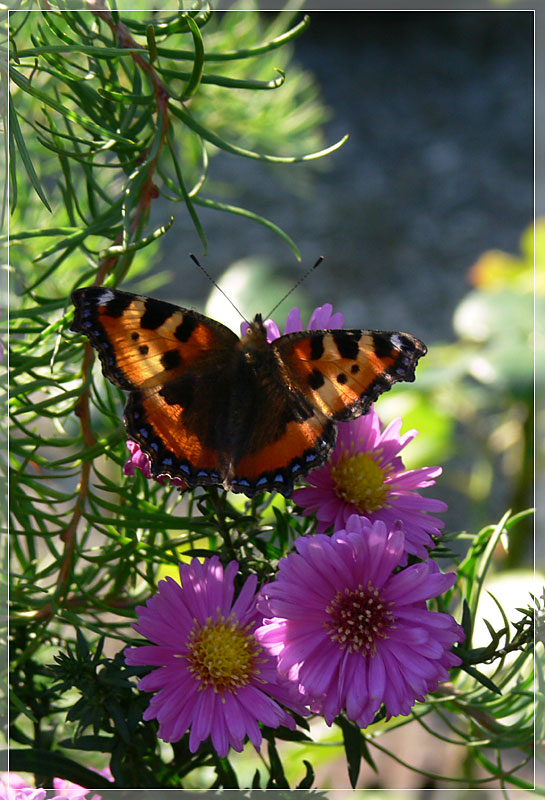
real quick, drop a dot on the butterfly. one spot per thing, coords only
(210, 408)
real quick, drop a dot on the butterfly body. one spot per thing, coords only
(209, 407)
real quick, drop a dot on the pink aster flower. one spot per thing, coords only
(321, 318)
(365, 475)
(139, 460)
(212, 675)
(352, 634)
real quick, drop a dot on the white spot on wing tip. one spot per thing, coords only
(396, 341)
(105, 297)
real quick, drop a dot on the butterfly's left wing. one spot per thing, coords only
(341, 372)
(176, 365)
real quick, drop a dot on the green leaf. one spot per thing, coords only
(308, 780)
(23, 152)
(475, 565)
(495, 636)
(13, 173)
(243, 212)
(467, 624)
(225, 80)
(352, 747)
(366, 753)
(20, 706)
(278, 779)
(248, 52)
(178, 23)
(24, 84)
(92, 50)
(516, 518)
(152, 46)
(282, 528)
(127, 97)
(227, 777)
(256, 780)
(60, 34)
(198, 62)
(101, 744)
(287, 735)
(118, 249)
(19, 236)
(187, 199)
(82, 648)
(210, 136)
(103, 225)
(481, 678)
(116, 713)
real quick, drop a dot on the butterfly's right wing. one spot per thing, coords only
(341, 372)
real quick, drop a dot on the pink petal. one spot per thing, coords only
(203, 718)
(293, 321)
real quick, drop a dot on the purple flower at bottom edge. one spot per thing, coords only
(351, 634)
(365, 475)
(73, 791)
(211, 675)
(137, 460)
(15, 787)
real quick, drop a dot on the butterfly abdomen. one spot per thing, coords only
(255, 390)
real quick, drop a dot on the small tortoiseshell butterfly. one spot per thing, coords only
(210, 408)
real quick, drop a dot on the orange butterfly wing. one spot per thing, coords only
(302, 446)
(168, 359)
(341, 372)
(327, 375)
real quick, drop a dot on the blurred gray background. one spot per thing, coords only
(438, 168)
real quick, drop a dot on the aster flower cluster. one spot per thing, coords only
(343, 627)
(337, 629)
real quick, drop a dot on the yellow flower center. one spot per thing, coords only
(359, 480)
(358, 619)
(222, 655)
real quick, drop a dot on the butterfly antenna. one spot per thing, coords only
(295, 285)
(193, 257)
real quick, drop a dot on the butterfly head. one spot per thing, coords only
(256, 334)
